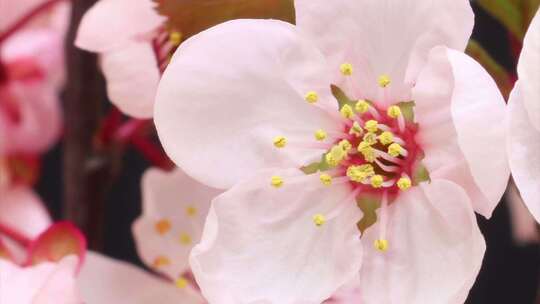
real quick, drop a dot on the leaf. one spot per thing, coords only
(341, 97)
(368, 203)
(193, 16)
(59, 240)
(420, 174)
(407, 109)
(499, 73)
(316, 166)
(507, 13)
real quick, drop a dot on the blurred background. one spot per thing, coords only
(511, 269)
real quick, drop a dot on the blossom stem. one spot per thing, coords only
(14, 235)
(27, 18)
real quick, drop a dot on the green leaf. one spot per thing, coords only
(316, 166)
(499, 73)
(368, 203)
(420, 174)
(341, 97)
(407, 109)
(507, 13)
(193, 16)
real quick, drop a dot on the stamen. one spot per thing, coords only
(360, 173)
(181, 283)
(319, 219)
(404, 183)
(311, 97)
(163, 226)
(384, 81)
(347, 111)
(370, 138)
(356, 129)
(387, 157)
(175, 38)
(387, 168)
(185, 239)
(377, 181)
(396, 150)
(335, 156)
(386, 138)
(276, 181)
(280, 141)
(393, 112)
(362, 106)
(320, 135)
(326, 179)
(346, 69)
(381, 244)
(345, 145)
(372, 126)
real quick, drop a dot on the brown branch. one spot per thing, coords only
(87, 171)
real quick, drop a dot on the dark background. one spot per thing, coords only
(510, 273)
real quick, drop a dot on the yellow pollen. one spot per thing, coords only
(404, 183)
(280, 141)
(394, 149)
(312, 97)
(370, 138)
(326, 179)
(181, 283)
(367, 151)
(371, 126)
(320, 135)
(346, 69)
(185, 239)
(191, 211)
(381, 245)
(346, 111)
(377, 181)
(163, 226)
(393, 112)
(335, 156)
(360, 173)
(384, 81)
(276, 181)
(345, 145)
(175, 38)
(362, 106)
(161, 261)
(319, 220)
(386, 138)
(356, 129)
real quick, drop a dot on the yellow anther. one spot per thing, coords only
(381, 245)
(181, 283)
(393, 112)
(345, 145)
(276, 181)
(377, 181)
(386, 138)
(311, 97)
(346, 69)
(163, 226)
(356, 129)
(320, 135)
(191, 211)
(360, 173)
(395, 149)
(371, 126)
(185, 239)
(384, 81)
(161, 261)
(361, 106)
(370, 138)
(367, 151)
(404, 183)
(335, 156)
(319, 220)
(346, 111)
(175, 38)
(326, 179)
(280, 141)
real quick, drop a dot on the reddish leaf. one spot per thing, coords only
(193, 16)
(60, 240)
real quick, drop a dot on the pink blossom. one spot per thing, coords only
(31, 74)
(249, 103)
(126, 35)
(524, 226)
(524, 121)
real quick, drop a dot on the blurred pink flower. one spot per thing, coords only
(31, 74)
(126, 34)
(259, 92)
(44, 283)
(524, 121)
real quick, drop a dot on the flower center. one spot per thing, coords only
(376, 153)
